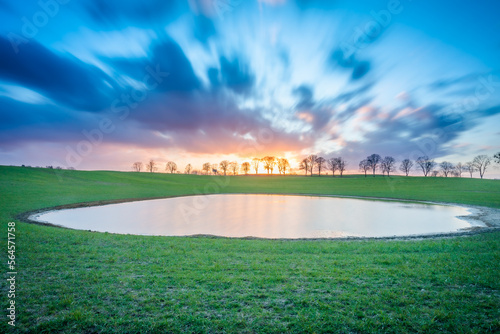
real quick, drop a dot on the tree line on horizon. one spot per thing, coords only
(311, 163)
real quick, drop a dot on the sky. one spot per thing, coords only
(101, 84)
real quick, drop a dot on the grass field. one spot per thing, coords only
(84, 282)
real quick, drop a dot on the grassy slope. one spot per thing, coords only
(82, 281)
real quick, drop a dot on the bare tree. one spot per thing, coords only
(137, 166)
(188, 169)
(304, 165)
(332, 165)
(469, 167)
(206, 167)
(245, 167)
(435, 173)
(388, 165)
(283, 165)
(364, 166)
(269, 163)
(255, 164)
(374, 161)
(426, 164)
(459, 169)
(224, 165)
(497, 158)
(312, 162)
(406, 166)
(481, 162)
(234, 167)
(341, 164)
(446, 168)
(320, 164)
(151, 166)
(171, 167)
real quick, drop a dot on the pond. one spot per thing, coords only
(263, 216)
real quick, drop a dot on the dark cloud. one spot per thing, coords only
(236, 75)
(22, 122)
(306, 97)
(213, 77)
(446, 83)
(61, 78)
(352, 94)
(470, 80)
(360, 70)
(349, 62)
(319, 114)
(204, 29)
(492, 111)
(350, 111)
(167, 57)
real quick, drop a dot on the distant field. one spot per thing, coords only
(79, 281)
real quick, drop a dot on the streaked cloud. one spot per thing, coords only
(213, 78)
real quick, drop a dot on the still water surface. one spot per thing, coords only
(264, 216)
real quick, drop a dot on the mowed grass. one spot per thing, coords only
(85, 282)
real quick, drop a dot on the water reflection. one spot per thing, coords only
(264, 216)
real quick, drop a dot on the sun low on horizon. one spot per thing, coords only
(103, 84)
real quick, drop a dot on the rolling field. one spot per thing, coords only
(79, 281)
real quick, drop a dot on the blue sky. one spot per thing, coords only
(101, 84)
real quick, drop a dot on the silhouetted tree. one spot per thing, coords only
(233, 167)
(406, 166)
(151, 166)
(459, 169)
(426, 164)
(446, 168)
(481, 162)
(388, 165)
(283, 165)
(435, 173)
(374, 161)
(206, 167)
(188, 169)
(245, 167)
(469, 167)
(332, 165)
(224, 165)
(320, 164)
(364, 166)
(255, 164)
(304, 165)
(171, 167)
(137, 166)
(269, 163)
(312, 162)
(341, 165)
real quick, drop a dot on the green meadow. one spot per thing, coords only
(85, 282)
